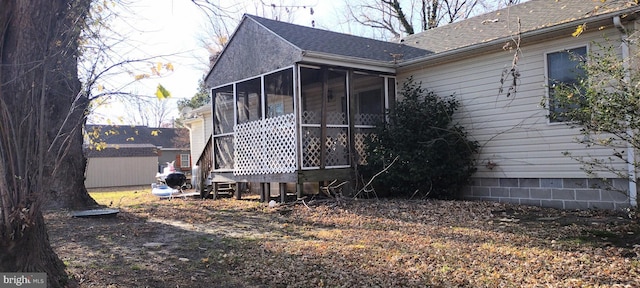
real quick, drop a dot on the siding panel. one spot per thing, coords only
(514, 132)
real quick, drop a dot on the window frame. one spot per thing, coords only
(182, 160)
(547, 86)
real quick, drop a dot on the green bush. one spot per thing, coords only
(434, 157)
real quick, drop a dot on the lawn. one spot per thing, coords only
(351, 243)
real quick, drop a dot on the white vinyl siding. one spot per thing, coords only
(513, 132)
(111, 172)
(197, 138)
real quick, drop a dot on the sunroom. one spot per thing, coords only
(292, 105)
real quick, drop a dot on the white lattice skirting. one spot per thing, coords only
(266, 146)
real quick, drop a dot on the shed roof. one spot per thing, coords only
(531, 15)
(317, 40)
(125, 135)
(148, 151)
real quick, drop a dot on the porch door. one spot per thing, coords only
(325, 122)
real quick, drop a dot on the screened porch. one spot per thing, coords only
(300, 124)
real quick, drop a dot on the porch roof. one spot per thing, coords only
(311, 40)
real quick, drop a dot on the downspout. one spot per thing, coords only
(631, 154)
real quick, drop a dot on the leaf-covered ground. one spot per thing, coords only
(354, 243)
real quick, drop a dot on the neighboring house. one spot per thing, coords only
(198, 121)
(291, 104)
(132, 155)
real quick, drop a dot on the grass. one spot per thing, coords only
(131, 197)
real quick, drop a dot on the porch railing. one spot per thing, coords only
(266, 146)
(205, 164)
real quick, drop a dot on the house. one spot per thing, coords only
(291, 104)
(199, 123)
(132, 155)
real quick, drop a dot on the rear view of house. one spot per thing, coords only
(292, 104)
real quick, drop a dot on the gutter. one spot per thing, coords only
(332, 59)
(631, 153)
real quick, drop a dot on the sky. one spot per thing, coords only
(172, 28)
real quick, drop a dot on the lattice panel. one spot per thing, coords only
(337, 145)
(249, 147)
(266, 146)
(280, 137)
(310, 117)
(311, 147)
(360, 146)
(368, 119)
(337, 118)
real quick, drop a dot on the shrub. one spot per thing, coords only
(434, 156)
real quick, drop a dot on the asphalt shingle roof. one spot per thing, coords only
(125, 135)
(324, 41)
(122, 152)
(533, 15)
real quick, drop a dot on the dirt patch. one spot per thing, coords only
(358, 243)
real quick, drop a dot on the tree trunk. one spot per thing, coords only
(41, 113)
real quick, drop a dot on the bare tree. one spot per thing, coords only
(401, 18)
(148, 111)
(224, 19)
(41, 107)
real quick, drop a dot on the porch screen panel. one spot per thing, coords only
(391, 93)
(279, 93)
(337, 98)
(223, 110)
(311, 87)
(360, 135)
(223, 122)
(311, 146)
(337, 147)
(369, 101)
(223, 149)
(248, 100)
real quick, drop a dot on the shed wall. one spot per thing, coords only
(121, 171)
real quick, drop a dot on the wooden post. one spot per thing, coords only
(240, 186)
(299, 189)
(267, 192)
(215, 190)
(262, 192)
(283, 192)
(323, 118)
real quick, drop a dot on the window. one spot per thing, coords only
(185, 160)
(563, 67)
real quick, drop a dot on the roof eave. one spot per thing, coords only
(346, 61)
